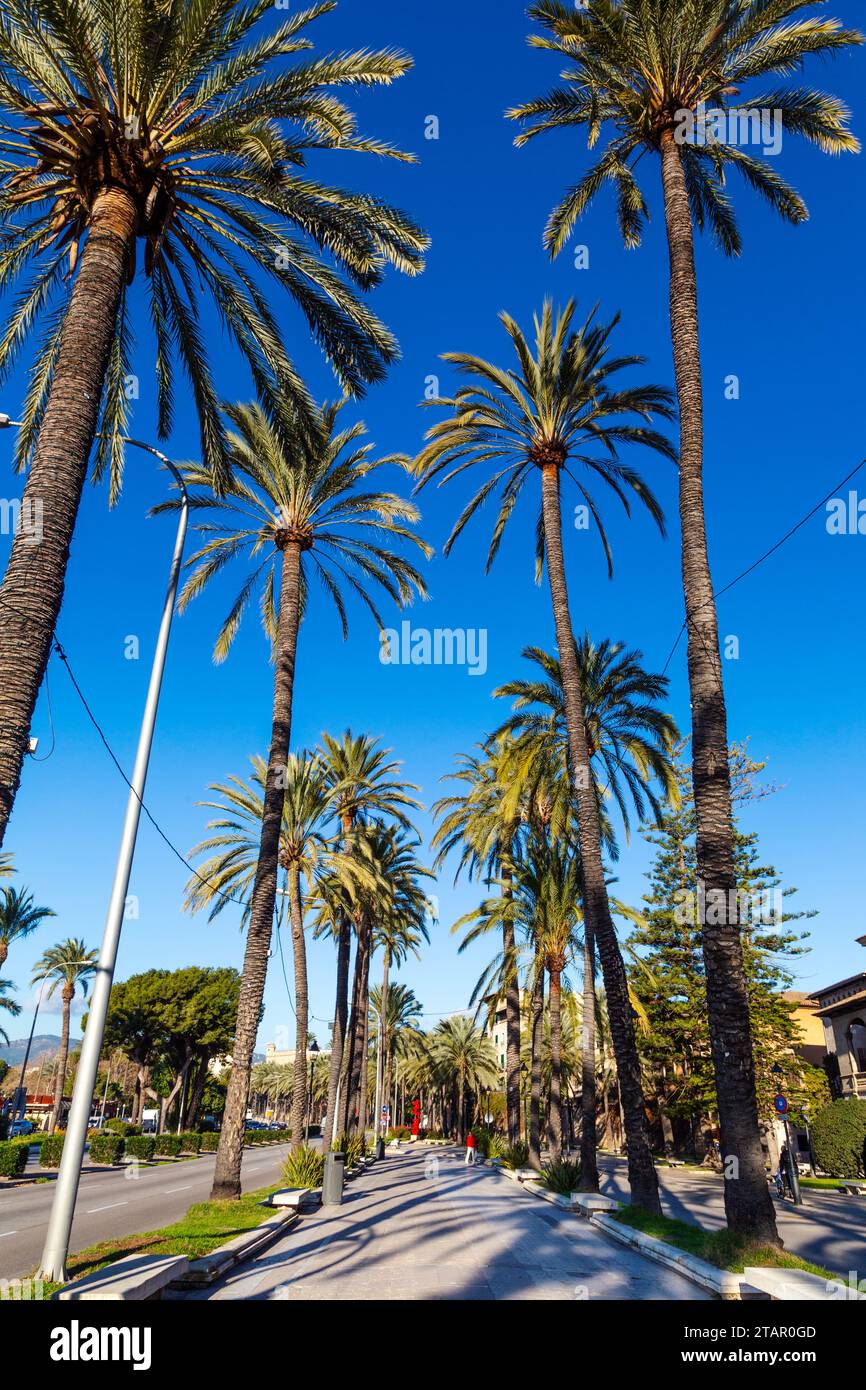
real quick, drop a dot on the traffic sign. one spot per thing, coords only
(781, 1105)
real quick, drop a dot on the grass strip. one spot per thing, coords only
(724, 1249)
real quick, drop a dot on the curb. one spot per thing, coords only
(720, 1282)
(209, 1268)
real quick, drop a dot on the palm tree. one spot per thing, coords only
(228, 874)
(464, 1061)
(295, 506)
(68, 965)
(650, 69)
(485, 826)
(8, 1005)
(365, 785)
(631, 745)
(399, 1010)
(560, 411)
(19, 916)
(186, 128)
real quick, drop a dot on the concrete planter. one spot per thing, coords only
(720, 1282)
(211, 1267)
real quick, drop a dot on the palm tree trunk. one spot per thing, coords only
(351, 1032)
(227, 1172)
(32, 590)
(535, 1024)
(748, 1205)
(338, 1033)
(641, 1171)
(62, 1058)
(554, 1117)
(512, 1022)
(358, 1030)
(588, 1156)
(299, 953)
(385, 1037)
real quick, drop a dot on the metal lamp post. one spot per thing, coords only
(53, 1265)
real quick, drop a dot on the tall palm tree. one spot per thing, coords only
(484, 826)
(292, 508)
(19, 916)
(182, 129)
(558, 412)
(8, 1005)
(399, 1009)
(69, 966)
(365, 785)
(228, 873)
(631, 744)
(464, 1061)
(653, 71)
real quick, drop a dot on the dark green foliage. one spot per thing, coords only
(141, 1146)
(106, 1148)
(121, 1127)
(515, 1155)
(190, 1143)
(839, 1138)
(13, 1160)
(51, 1151)
(167, 1145)
(210, 1141)
(562, 1176)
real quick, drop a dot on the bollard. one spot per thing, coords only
(332, 1183)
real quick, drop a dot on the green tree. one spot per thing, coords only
(646, 72)
(182, 129)
(559, 412)
(19, 916)
(290, 510)
(464, 1062)
(67, 966)
(9, 1006)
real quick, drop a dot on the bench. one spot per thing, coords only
(853, 1189)
(789, 1285)
(135, 1277)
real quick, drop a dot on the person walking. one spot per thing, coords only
(470, 1150)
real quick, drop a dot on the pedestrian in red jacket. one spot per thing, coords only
(470, 1150)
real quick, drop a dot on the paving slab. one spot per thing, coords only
(445, 1232)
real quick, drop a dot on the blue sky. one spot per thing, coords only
(786, 319)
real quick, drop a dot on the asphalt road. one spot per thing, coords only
(828, 1228)
(118, 1202)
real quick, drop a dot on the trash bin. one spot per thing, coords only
(332, 1183)
(380, 1147)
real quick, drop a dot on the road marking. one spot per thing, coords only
(7, 1233)
(178, 1189)
(91, 1210)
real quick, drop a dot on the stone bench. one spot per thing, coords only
(135, 1277)
(791, 1285)
(296, 1197)
(853, 1189)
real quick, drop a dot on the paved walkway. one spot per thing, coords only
(419, 1225)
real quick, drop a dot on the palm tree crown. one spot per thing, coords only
(205, 120)
(68, 965)
(646, 68)
(558, 408)
(281, 490)
(19, 916)
(8, 1005)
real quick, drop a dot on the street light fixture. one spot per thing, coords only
(53, 1264)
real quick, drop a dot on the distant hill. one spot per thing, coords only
(44, 1045)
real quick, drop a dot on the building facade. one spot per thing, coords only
(842, 1010)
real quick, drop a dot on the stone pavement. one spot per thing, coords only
(420, 1225)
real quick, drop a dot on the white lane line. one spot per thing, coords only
(178, 1189)
(7, 1233)
(91, 1210)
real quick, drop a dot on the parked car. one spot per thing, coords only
(19, 1128)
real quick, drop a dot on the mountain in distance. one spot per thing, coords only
(44, 1045)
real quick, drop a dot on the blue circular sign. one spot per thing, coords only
(781, 1105)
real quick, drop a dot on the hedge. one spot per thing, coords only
(140, 1146)
(839, 1138)
(167, 1145)
(122, 1127)
(190, 1143)
(210, 1142)
(106, 1148)
(13, 1159)
(266, 1136)
(52, 1148)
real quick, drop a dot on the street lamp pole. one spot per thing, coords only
(53, 1265)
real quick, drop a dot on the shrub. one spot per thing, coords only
(13, 1159)
(839, 1138)
(210, 1141)
(515, 1155)
(190, 1143)
(353, 1146)
(562, 1176)
(50, 1153)
(497, 1146)
(167, 1145)
(482, 1140)
(106, 1148)
(140, 1146)
(398, 1132)
(304, 1167)
(121, 1127)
